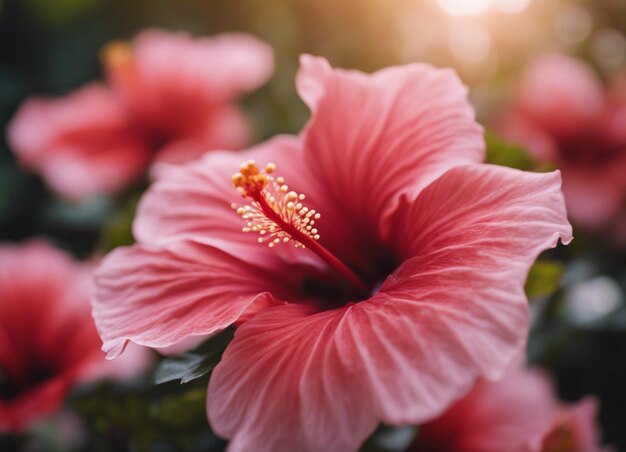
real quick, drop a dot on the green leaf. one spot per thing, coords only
(88, 214)
(387, 438)
(193, 364)
(60, 12)
(180, 410)
(118, 229)
(140, 416)
(503, 153)
(544, 278)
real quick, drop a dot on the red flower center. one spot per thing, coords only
(15, 382)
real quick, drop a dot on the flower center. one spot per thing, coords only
(16, 382)
(561, 438)
(278, 215)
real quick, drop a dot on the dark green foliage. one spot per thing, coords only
(500, 152)
(544, 278)
(196, 363)
(145, 417)
(118, 228)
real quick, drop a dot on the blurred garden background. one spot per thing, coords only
(53, 47)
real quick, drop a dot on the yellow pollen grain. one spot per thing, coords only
(238, 179)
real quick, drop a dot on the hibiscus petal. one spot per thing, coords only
(284, 369)
(46, 330)
(580, 419)
(226, 128)
(82, 144)
(388, 133)
(174, 67)
(513, 413)
(456, 309)
(160, 296)
(594, 197)
(328, 378)
(311, 79)
(451, 313)
(33, 278)
(561, 94)
(193, 202)
(501, 209)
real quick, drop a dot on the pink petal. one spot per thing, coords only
(579, 420)
(312, 78)
(175, 84)
(226, 128)
(328, 378)
(132, 364)
(501, 209)
(216, 68)
(468, 242)
(35, 281)
(160, 296)
(594, 196)
(454, 311)
(193, 201)
(511, 414)
(46, 323)
(373, 137)
(83, 144)
(178, 152)
(285, 384)
(42, 288)
(561, 94)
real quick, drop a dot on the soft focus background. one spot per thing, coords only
(52, 47)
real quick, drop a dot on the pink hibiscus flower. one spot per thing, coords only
(169, 97)
(565, 117)
(518, 413)
(404, 284)
(48, 341)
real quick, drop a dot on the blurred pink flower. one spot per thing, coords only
(518, 413)
(48, 341)
(410, 285)
(182, 91)
(564, 116)
(83, 144)
(574, 428)
(169, 97)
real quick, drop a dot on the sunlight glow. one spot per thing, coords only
(469, 43)
(478, 7)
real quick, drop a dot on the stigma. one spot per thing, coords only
(274, 212)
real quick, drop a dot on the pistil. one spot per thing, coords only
(279, 216)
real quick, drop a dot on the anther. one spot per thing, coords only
(275, 212)
(278, 216)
